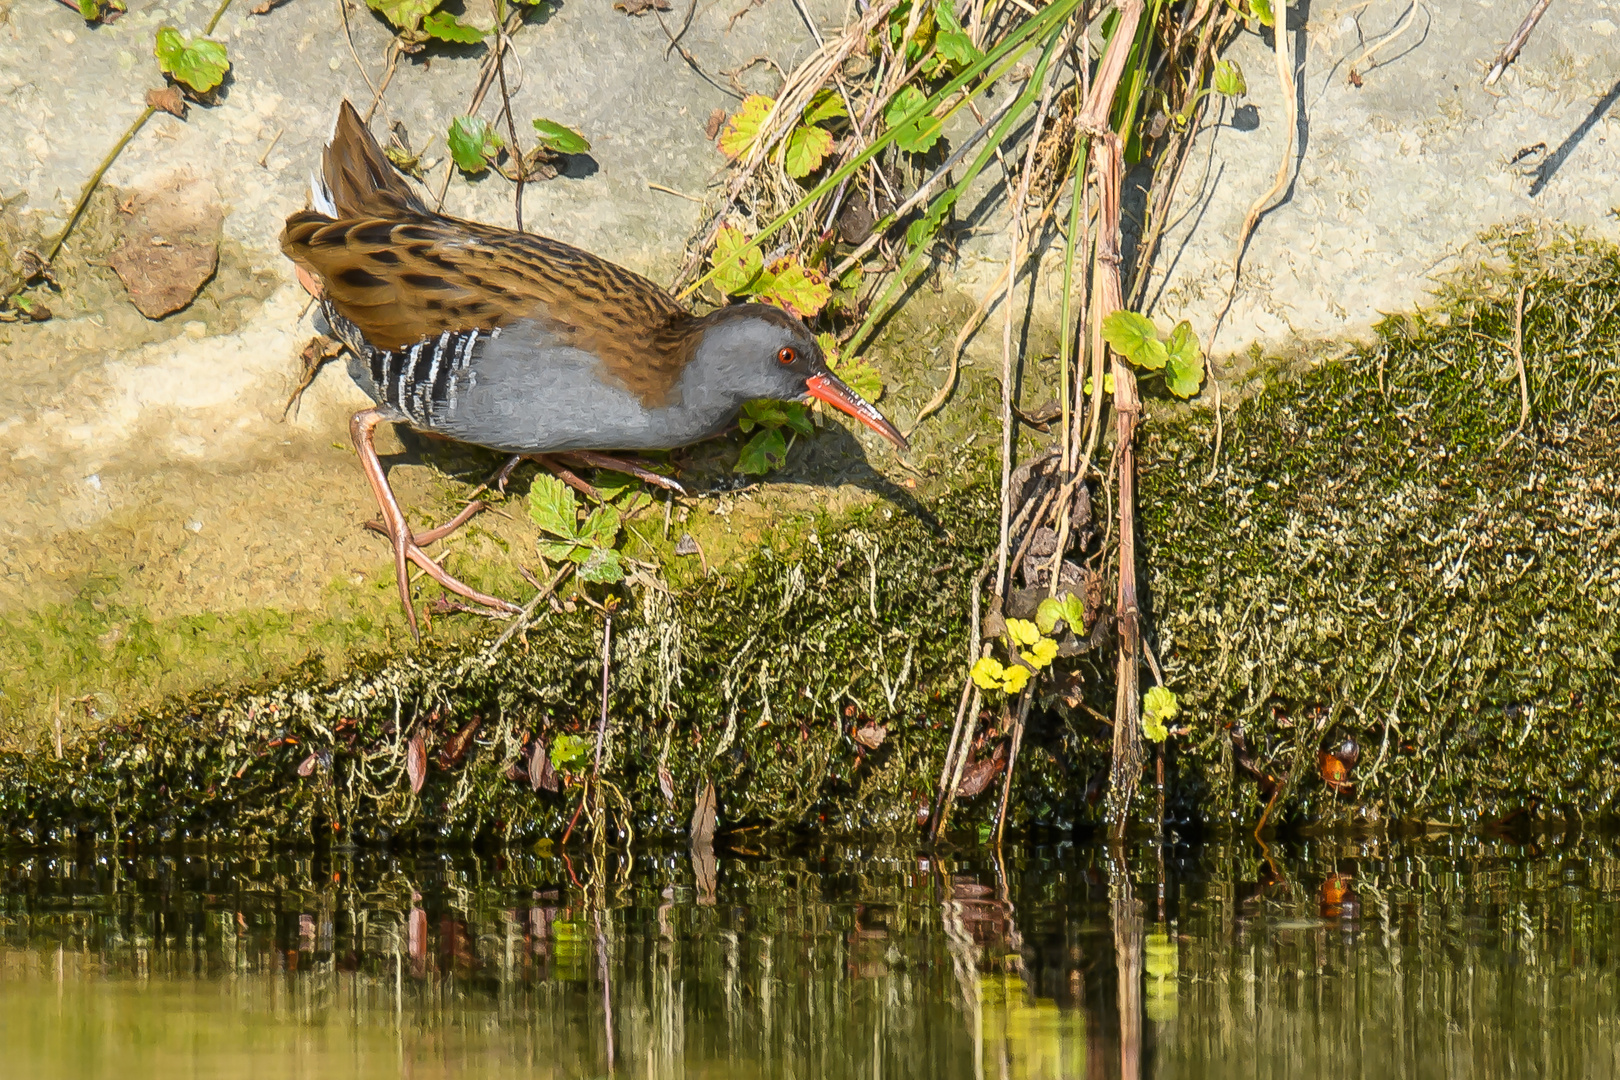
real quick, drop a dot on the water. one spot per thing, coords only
(1439, 957)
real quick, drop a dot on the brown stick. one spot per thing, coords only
(1518, 362)
(1510, 51)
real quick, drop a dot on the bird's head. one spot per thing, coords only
(764, 352)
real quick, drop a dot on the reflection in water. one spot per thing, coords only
(1344, 959)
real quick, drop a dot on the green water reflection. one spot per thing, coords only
(1456, 957)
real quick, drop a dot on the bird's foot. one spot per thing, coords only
(431, 536)
(641, 470)
(415, 554)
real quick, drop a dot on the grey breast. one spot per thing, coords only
(520, 390)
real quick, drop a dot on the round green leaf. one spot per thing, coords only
(446, 27)
(807, 147)
(1229, 79)
(200, 64)
(1184, 366)
(1135, 338)
(473, 143)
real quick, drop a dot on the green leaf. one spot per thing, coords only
(90, 9)
(859, 376)
(742, 130)
(1158, 705)
(557, 553)
(958, 48)
(446, 27)
(1229, 79)
(1074, 612)
(601, 527)
(568, 752)
(474, 143)
(1135, 338)
(1048, 615)
(1039, 654)
(763, 413)
(551, 506)
(916, 136)
(795, 289)
(603, 565)
(613, 486)
(806, 149)
(1262, 11)
(825, 105)
(563, 140)
(1184, 367)
(765, 452)
(404, 14)
(735, 274)
(200, 64)
(797, 418)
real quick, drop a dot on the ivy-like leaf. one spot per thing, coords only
(563, 140)
(952, 42)
(795, 289)
(825, 105)
(1184, 365)
(1229, 79)
(473, 142)
(742, 130)
(1023, 632)
(404, 14)
(735, 274)
(858, 374)
(916, 136)
(603, 565)
(551, 506)
(1039, 654)
(796, 417)
(1158, 705)
(1135, 338)
(806, 149)
(1014, 678)
(764, 453)
(446, 27)
(1262, 10)
(200, 64)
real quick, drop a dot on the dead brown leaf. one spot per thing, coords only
(307, 766)
(416, 763)
(666, 783)
(871, 735)
(978, 774)
(541, 772)
(712, 128)
(169, 100)
(641, 7)
(704, 816)
(451, 753)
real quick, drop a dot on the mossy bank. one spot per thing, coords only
(1371, 556)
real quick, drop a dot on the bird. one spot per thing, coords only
(520, 343)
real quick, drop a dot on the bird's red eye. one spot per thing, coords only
(786, 356)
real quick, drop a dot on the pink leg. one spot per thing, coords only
(362, 426)
(567, 476)
(629, 468)
(433, 536)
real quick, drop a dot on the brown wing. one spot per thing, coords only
(402, 274)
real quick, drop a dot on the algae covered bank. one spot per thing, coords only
(1375, 556)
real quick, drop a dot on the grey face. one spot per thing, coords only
(759, 352)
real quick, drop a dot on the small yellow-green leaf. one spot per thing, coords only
(602, 565)
(987, 673)
(1262, 10)
(825, 105)
(1229, 79)
(742, 130)
(1135, 338)
(568, 752)
(1039, 654)
(735, 273)
(806, 148)
(551, 506)
(1184, 365)
(1074, 612)
(200, 64)
(601, 527)
(1048, 615)
(564, 140)
(404, 14)
(795, 289)
(446, 27)
(1023, 632)
(1160, 703)
(1014, 678)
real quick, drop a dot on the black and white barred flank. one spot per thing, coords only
(421, 381)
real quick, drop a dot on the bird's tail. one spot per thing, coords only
(356, 178)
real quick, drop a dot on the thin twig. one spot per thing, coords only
(1012, 759)
(343, 9)
(607, 675)
(1511, 51)
(523, 617)
(502, 43)
(671, 191)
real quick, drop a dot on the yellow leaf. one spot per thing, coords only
(1014, 678)
(987, 673)
(1023, 632)
(742, 130)
(1040, 654)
